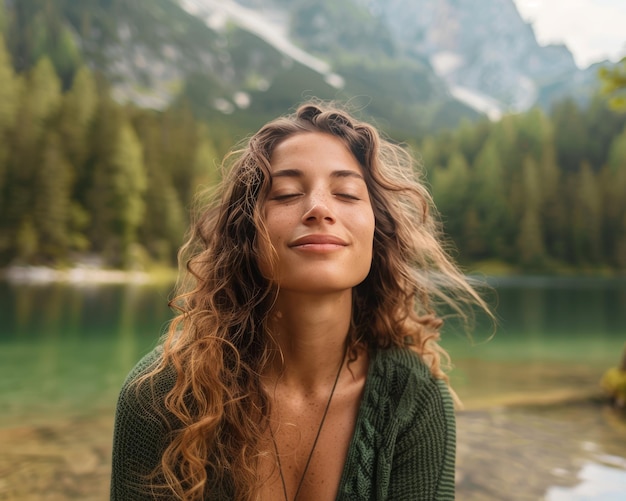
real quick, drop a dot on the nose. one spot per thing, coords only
(318, 210)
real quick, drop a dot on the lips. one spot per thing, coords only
(318, 240)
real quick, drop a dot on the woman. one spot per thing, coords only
(304, 363)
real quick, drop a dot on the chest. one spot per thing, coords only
(306, 451)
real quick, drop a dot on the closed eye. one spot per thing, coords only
(347, 196)
(285, 196)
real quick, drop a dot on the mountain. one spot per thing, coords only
(482, 51)
(413, 65)
(237, 65)
(485, 51)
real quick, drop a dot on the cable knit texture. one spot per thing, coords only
(403, 447)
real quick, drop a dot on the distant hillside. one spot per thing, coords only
(415, 66)
(485, 52)
(158, 51)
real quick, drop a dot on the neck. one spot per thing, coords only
(310, 334)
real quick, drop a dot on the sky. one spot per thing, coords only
(593, 30)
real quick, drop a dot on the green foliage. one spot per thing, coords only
(9, 92)
(82, 173)
(530, 244)
(153, 49)
(52, 200)
(3, 18)
(37, 29)
(613, 382)
(614, 84)
(118, 184)
(613, 186)
(451, 187)
(535, 191)
(76, 117)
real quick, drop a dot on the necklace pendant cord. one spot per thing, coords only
(317, 436)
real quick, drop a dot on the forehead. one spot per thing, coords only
(313, 150)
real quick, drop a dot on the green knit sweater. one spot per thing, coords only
(403, 447)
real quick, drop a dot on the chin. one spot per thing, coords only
(321, 284)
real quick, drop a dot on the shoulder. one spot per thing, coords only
(147, 363)
(402, 379)
(146, 396)
(401, 359)
(142, 427)
(397, 367)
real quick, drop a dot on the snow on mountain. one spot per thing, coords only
(269, 25)
(483, 49)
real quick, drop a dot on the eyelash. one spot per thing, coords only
(287, 196)
(347, 195)
(284, 197)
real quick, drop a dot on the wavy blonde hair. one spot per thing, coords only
(219, 343)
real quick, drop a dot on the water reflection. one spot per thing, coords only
(65, 349)
(526, 453)
(597, 482)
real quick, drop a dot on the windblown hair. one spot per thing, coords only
(220, 341)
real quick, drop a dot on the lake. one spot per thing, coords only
(533, 427)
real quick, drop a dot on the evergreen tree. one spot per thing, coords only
(76, 117)
(614, 188)
(503, 139)
(530, 244)
(119, 181)
(39, 99)
(179, 139)
(614, 84)
(570, 135)
(450, 190)
(206, 160)
(429, 156)
(129, 185)
(602, 124)
(553, 208)
(533, 132)
(470, 138)
(489, 200)
(586, 222)
(3, 20)
(9, 92)
(164, 222)
(52, 200)
(38, 30)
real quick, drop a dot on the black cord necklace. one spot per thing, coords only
(317, 436)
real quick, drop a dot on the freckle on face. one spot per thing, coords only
(318, 189)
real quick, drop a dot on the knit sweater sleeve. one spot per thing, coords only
(423, 461)
(140, 432)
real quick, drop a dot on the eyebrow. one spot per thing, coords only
(299, 173)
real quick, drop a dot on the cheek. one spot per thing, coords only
(276, 224)
(368, 227)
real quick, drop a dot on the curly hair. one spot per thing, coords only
(219, 343)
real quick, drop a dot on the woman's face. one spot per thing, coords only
(318, 215)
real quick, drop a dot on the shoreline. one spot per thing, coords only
(95, 274)
(84, 274)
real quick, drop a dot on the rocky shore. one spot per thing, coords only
(512, 454)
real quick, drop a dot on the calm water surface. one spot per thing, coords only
(65, 350)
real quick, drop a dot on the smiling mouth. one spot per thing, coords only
(329, 241)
